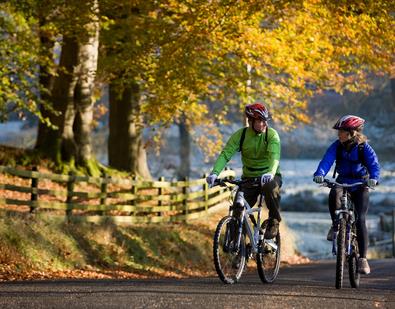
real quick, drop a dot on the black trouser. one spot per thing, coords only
(271, 191)
(360, 198)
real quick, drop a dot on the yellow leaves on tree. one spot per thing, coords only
(196, 58)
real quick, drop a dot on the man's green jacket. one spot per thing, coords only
(257, 155)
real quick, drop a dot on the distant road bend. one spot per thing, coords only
(301, 286)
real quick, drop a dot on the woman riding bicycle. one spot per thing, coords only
(356, 161)
(260, 154)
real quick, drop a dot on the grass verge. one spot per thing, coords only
(38, 246)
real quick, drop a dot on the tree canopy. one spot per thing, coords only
(195, 59)
(18, 62)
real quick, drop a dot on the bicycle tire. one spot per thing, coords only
(341, 253)
(353, 270)
(268, 262)
(227, 269)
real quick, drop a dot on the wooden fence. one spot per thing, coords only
(387, 224)
(121, 200)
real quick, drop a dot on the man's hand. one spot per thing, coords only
(318, 179)
(265, 178)
(371, 182)
(211, 179)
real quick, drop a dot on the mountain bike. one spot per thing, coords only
(240, 237)
(345, 244)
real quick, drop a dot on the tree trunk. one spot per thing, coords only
(72, 99)
(88, 56)
(125, 142)
(59, 144)
(120, 108)
(46, 79)
(184, 169)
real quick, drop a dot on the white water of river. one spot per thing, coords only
(311, 230)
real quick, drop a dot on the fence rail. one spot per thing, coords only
(122, 200)
(387, 224)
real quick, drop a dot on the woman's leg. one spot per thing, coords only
(360, 198)
(334, 202)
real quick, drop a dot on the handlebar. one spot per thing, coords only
(238, 182)
(331, 184)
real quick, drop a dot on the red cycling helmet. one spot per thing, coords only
(349, 123)
(257, 111)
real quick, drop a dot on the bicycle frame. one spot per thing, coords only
(240, 234)
(346, 211)
(251, 231)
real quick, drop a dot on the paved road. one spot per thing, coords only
(302, 286)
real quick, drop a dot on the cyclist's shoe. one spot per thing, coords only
(272, 229)
(329, 237)
(248, 253)
(363, 266)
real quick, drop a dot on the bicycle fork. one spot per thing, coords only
(334, 239)
(348, 239)
(340, 214)
(240, 230)
(348, 232)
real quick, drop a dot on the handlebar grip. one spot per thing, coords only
(219, 182)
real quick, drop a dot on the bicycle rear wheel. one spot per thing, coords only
(341, 253)
(353, 264)
(268, 259)
(229, 261)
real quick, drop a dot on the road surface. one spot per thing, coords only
(301, 286)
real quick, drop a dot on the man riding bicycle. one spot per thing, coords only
(259, 145)
(356, 161)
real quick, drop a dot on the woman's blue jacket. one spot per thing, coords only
(350, 169)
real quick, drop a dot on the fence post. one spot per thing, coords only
(103, 191)
(34, 193)
(205, 190)
(160, 192)
(133, 190)
(185, 199)
(393, 232)
(70, 190)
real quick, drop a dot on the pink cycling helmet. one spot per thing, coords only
(257, 111)
(349, 123)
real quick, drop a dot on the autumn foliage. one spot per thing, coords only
(201, 59)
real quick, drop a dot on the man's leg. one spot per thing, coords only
(251, 196)
(271, 193)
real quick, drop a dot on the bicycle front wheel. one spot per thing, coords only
(341, 253)
(229, 261)
(268, 259)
